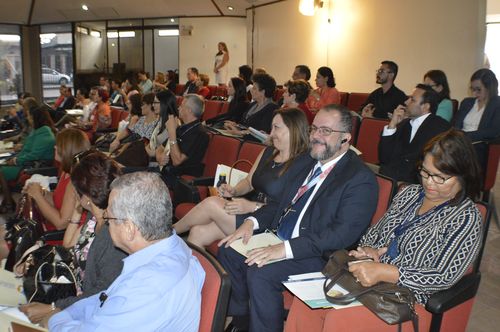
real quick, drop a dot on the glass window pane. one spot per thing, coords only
(11, 71)
(57, 62)
(90, 47)
(131, 49)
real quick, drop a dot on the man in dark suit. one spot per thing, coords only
(328, 204)
(411, 127)
(192, 76)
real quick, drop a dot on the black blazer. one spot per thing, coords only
(398, 157)
(339, 212)
(489, 126)
(261, 120)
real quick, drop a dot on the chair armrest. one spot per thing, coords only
(106, 130)
(47, 171)
(462, 291)
(53, 236)
(202, 181)
(186, 192)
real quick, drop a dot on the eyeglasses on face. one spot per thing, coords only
(383, 71)
(324, 131)
(107, 219)
(438, 179)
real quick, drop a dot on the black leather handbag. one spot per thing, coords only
(391, 303)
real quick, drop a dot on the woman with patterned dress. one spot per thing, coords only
(428, 238)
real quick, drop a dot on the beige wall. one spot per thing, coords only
(418, 35)
(199, 49)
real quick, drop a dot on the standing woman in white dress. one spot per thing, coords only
(221, 64)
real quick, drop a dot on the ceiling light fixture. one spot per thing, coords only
(172, 20)
(230, 8)
(308, 7)
(168, 32)
(85, 7)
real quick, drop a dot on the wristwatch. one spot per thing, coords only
(174, 142)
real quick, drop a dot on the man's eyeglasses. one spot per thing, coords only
(324, 131)
(383, 71)
(107, 219)
(438, 179)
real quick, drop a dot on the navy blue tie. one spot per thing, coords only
(291, 214)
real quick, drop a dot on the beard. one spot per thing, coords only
(327, 153)
(380, 80)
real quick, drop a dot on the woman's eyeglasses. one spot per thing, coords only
(438, 179)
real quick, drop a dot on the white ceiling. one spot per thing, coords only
(55, 11)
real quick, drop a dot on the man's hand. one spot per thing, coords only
(397, 116)
(367, 111)
(261, 256)
(245, 232)
(35, 311)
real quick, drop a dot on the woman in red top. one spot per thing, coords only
(326, 93)
(295, 95)
(101, 116)
(202, 85)
(57, 207)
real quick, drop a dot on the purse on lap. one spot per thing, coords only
(391, 303)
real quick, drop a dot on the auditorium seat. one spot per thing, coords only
(278, 93)
(179, 89)
(356, 100)
(344, 97)
(215, 292)
(369, 138)
(212, 109)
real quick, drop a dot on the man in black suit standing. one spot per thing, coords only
(327, 205)
(411, 127)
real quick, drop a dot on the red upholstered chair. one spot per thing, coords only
(445, 311)
(213, 90)
(356, 121)
(386, 191)
(278, 93)
(179, 89)
(369, 137)
(212, 109)
(220, 150)
(215, 292)
(179, 100)
(221, 91)
(225, 107)
(344, 97)
(356, 100)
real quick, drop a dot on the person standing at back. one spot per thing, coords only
(221, 64)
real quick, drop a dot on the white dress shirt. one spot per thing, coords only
(415, 124)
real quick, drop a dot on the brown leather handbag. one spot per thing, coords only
(391, 303)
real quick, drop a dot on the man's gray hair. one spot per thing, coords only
(143, 198)
(344, 113)
(195, 103)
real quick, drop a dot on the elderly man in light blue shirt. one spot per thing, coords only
(159, 288)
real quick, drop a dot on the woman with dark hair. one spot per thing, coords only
(171, 80)
(479, 116)
(245, 72)
(57, 207)
(437, 80)
(428, 238)
(145, 83)
(39, 145)
(325, 93)
(143, 128)
(167, 106)
(101, 116)
(134, 105)
(214, 218)
(98, 262)
(295, 95)
(260, 113)
(238, 105)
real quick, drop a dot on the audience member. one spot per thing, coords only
(59, 100)
(411, 127)
(426, 241)
(385, 99)
(215, 218)
(168, 106)
(134, 105)
(143, 128)
(301, 72)
(260, 113)
(295, 95)
(104, 83)
(84, 103)
(160, 286)
(39, 145)
(245, 72)
(238, 105)
(202, 86)
(159, 82)
(145, 83)
(190, 86)
(325, 93)
(329, 201)
(437, 80)
(479, 116)
(57, 207)
(97, 261)
(101, 115)
(221, 64)
(259, 71)
(186, 144)
(172, 80)
(116, 98)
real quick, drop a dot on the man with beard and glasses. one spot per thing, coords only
(328, 204)
(385, 99)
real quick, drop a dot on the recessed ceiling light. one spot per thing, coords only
(230, 8)
(172, 20)
(85, 7)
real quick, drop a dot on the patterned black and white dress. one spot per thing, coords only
(436, 248)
